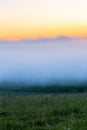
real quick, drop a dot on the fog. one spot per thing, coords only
(58, 61)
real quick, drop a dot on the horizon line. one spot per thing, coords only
(41, 38)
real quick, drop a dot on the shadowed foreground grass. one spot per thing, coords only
(43, 112)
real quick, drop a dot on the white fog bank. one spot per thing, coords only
(43, 62)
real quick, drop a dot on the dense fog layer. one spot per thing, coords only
(44, 62)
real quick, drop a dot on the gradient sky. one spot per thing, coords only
(21, 19)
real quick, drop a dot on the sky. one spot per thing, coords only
(23, 19)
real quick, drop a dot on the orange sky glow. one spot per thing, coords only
(49, 18)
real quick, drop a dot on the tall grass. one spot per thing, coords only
(43, 112)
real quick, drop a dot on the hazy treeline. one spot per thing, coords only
(54, 88)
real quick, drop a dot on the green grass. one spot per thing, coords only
(43, 112)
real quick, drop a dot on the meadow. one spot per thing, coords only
(43, 111)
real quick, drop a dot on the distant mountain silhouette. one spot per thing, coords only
(39, 40)
(42, 40)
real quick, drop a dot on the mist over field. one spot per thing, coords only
(44, 62)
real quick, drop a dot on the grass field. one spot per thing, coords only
(43, 111)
